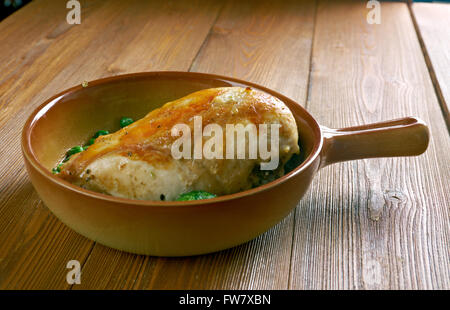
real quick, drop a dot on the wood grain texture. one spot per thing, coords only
(34, 52)
(236, 46)
(34, 245)
(433, 27)
(378, 223)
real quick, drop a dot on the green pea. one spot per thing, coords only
(195, 195)
(125, 121)
(74, 150)
(90, 142)
(57, 169)
(101, 133)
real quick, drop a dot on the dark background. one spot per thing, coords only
(7, 7)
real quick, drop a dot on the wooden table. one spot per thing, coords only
(368, 224)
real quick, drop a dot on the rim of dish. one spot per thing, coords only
(49, 103)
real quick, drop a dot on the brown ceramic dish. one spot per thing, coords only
(192, 227)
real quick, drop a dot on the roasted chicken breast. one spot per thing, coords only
(137, 161)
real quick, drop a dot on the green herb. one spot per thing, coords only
(101, 133)
(90, 142)
(195, 195)
(74, 150)
(57, 169)
(125, 121)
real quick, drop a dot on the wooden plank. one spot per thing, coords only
(164, 43)
(432, 21)
(378, 223)
(27, 244)
(267, 42)
(34, 245)
(37, 44)
(242, 28)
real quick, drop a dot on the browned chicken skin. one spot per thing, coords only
(136, 162)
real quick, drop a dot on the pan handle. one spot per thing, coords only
(401, 137)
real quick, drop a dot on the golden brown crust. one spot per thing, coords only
(149, 139)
